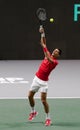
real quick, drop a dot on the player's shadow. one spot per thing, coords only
(39, 123)
(35, 122)
(68, 124)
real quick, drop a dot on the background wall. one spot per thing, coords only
(16, 77)
(19, 37)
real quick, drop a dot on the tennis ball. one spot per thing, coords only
(51, 20)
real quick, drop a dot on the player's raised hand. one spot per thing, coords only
(41, 29)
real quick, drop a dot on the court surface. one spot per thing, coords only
(65, 114)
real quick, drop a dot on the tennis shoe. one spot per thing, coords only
(32, 115)
(48, 122)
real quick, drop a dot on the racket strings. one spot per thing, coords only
(41, 14)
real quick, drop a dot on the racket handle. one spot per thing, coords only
(41, 23)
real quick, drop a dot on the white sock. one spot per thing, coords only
(47, 115)
(32, 109)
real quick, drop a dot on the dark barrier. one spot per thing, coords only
(19, 36)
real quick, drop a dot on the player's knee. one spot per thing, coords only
(43, 101)
(30, 95)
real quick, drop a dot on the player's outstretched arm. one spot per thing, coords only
(43, 44)
(43, 39)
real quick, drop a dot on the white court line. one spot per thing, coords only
(39, 97)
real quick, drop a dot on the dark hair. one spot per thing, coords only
(60, 51)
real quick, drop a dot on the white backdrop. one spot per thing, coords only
(16, 78)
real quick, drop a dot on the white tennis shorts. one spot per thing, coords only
(39, 84)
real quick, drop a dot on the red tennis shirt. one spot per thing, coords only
(45, 68)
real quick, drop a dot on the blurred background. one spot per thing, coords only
(19, 36)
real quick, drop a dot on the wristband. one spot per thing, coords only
(41, 27)
(42, 35)
(45, 49)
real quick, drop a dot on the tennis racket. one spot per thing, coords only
(41, 15)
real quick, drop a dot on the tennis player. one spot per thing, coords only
(41, 78)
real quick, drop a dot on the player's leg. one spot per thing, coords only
(31, 99)
(34, 88)
(33, 113)
(46, 108)
(44, 102)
